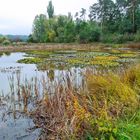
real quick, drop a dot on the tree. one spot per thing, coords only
(51, 27)
(50, 10)
(2, 39)
(70, 17)
(132, 7)
(30, 38)
(39, 28)
(61, 23)
(83, 13)
(76, 15)
(128, 11)
(110, 17)
(103, 11)
(69, 30)
(137, 19)
(89, 32)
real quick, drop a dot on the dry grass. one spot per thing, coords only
(133, 45)
(92, 112)
(50, 47)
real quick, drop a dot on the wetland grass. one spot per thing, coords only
(107, 108)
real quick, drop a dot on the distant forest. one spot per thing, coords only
(7, 39)
(108, 21)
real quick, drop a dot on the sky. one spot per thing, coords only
(16, 16)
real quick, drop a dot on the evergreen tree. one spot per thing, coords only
(50, 10)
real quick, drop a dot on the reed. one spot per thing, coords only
(92, 112)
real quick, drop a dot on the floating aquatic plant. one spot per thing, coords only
(33, 60)
(70, 58)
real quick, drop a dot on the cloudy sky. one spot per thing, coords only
(16, 16)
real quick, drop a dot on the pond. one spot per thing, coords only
(38, 72)
(14, 118)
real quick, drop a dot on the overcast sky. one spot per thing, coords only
(16, 16)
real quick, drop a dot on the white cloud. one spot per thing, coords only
(16, 16)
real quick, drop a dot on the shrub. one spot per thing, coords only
(137, 37)
(128, 37)
(95, 34)
(2, 39)
(89, 33)
(117, 38)
(6, 42)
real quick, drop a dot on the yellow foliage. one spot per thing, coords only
(110, 95)
(107, 58)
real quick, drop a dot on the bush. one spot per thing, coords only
(128, 37)
(6, 42)
(117, 38)
(89, 33)
(137, 37)
(2, 39)
(112, 38)
(95, 34)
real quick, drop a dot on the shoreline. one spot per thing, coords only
(66, 46)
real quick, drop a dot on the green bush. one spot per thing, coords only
(95, 34)
(89, 33)
(106, 38)
(6, 42)
(137, 37)
(117, 38)
(128, 37)
(111, 38)
(2, 39)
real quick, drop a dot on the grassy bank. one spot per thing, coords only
(65, 46)
(106, 107)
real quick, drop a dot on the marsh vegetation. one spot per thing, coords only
(86, 88)
(70, 94)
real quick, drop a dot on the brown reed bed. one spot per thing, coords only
(64, 46)
(50, 47)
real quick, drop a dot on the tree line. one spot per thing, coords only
(108, 21)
